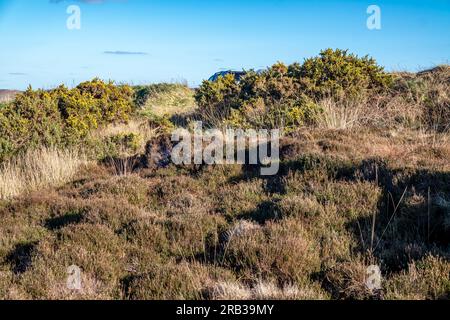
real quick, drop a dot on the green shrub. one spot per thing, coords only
(273, 85)
(271, 99)
(80, 113)
(92, 104)
(289, 115)
(339, 73)
(119, 145)
(31, 119)
(61, 116)
(285, 96)
(113, 102)
(162, 124)
(216, 99)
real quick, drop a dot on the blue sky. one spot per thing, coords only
(191, 39)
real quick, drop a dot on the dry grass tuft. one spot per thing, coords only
(339, 115)
(37, 169)
(133, 126)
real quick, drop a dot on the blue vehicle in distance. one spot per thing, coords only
(237, 75)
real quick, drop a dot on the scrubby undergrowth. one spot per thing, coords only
(364, 179)
(225, 232)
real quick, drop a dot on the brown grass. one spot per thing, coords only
(37, 169)
(225, 232)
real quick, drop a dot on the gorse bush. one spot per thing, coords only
(61, 116)
(114, 102)
(119, 145)
(339, 73)
(271, 99)
(79, 111)
(287, 96)
(216, 99)
(32, 118)
(288, 115)
(93, 104)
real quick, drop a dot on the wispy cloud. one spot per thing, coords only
(88, 1)
(124, 53)
(84, 1)
(17, 74)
